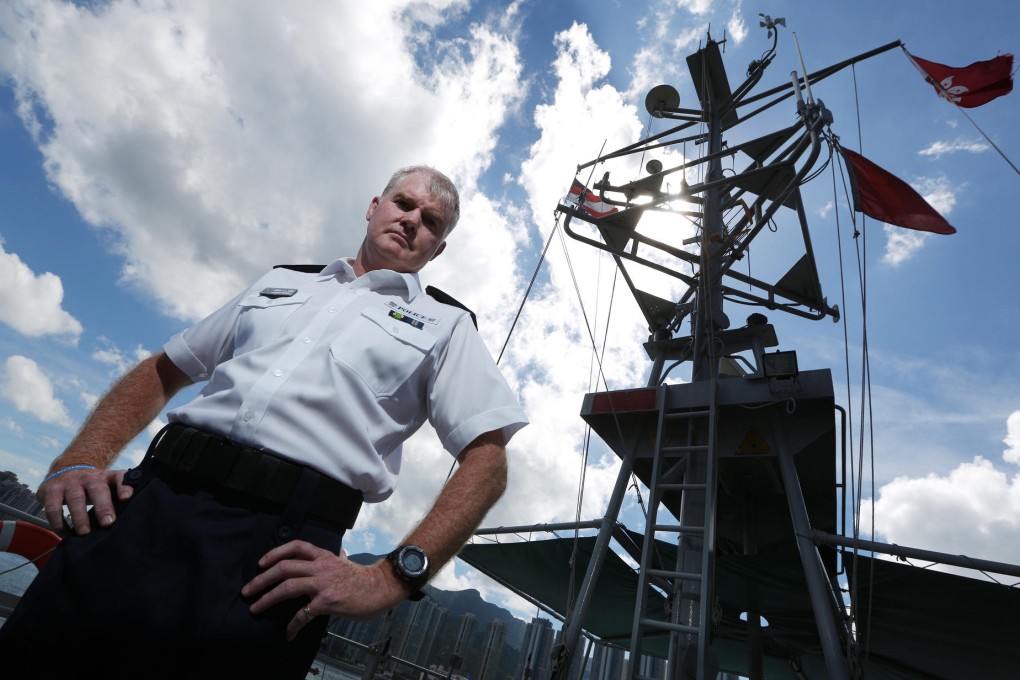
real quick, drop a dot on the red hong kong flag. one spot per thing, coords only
(588, 202)
(969, 86)
(887, 198)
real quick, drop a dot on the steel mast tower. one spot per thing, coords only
(694, 429)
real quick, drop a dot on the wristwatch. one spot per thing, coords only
(411, 565)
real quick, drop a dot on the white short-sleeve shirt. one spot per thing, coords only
(336, 371)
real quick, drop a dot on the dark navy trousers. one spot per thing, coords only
(157, 595)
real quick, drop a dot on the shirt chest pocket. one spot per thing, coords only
(383, 351)
(261, 319)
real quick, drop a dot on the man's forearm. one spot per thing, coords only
(464, 501)
(130, 405)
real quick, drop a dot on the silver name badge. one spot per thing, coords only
(274, 293)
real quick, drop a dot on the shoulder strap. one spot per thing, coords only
(303, 268)
(447, 299)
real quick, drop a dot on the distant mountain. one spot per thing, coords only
(459, 602)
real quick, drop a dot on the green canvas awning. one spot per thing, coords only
(914, 623)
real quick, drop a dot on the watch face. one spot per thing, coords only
(413, 561)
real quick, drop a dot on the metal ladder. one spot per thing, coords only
(690, 580)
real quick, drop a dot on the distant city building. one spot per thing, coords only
(18, 496)
(536, 662)
(374, 632)
(419, 634)
(437, 626)
(463, 642)
(441, 633)
(607, 663)
(492, 647)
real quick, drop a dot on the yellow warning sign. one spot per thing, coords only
(753, 443)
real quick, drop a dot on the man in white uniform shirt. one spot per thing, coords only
(224, 544)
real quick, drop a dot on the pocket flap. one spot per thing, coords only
(405, 332)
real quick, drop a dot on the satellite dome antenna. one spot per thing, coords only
(662, 98)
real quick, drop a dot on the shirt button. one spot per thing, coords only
(277, 373)
(306, 340)
(332, 310)
(248, 415)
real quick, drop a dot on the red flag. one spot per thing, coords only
(969, 86)
(887, 198)
(588, 202)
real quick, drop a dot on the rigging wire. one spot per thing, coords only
(866, 415)
(527, 292)
(854, 484)
(987, 138)
(586, 448)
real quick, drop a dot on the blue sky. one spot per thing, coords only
(156, 157)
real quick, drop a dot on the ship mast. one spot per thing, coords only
(685, 458)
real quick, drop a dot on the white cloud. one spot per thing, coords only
(736, 26)
(118, 360)
(210, 153)
(973, 510)
(12, 426)
(939, 192)
(1012, 439)
(940, 148)
(696, 7)
(30, 303)
(25, 385)
(902, 244)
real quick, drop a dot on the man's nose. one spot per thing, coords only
(411, 220)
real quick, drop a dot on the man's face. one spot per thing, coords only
(406, 228)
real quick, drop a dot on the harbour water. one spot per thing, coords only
(15, 573)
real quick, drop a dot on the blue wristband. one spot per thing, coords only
(68, 469)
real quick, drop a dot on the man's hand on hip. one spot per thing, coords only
(332, 583)
(77, 489)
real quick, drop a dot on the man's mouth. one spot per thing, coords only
(402, 237)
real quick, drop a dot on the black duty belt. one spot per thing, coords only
(251, 472)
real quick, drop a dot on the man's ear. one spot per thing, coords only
(439, 250)
(371, 208)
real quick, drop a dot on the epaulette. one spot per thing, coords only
(447, 299)
(303, 268)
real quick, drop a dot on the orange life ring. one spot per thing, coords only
(28, 540)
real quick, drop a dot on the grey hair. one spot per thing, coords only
(441, 188)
